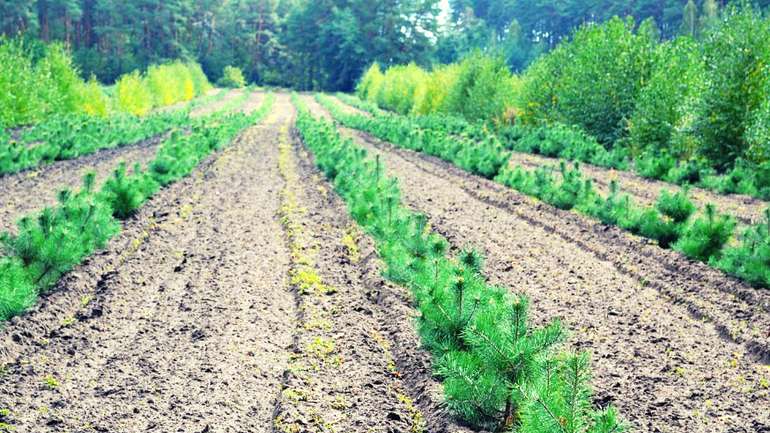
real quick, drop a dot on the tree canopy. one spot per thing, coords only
(311, 44)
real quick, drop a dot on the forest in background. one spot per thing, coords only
(320, 44)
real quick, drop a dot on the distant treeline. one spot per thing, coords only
(320, 44)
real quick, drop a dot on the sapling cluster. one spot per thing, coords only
(52, 242)
(62, 137)
(498, 370)
(750, 260)
(669, 222)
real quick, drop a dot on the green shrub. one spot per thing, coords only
(676, 206)
(199, 80)
(559, 401)
(431, 95)
(750, 260)
(369, 86)
(19, 102)
(704, 239)
(736, 55)
(17, 292)
(32, 88)
(132, 95)
(482, 90)
(593, 81)
(126, 193)
(400, 83)
(58, 238)
(664, 111)
(655, 164)
(232, 77)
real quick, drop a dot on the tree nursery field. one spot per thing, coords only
(394, 217)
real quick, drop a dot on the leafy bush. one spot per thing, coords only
(200, 82)
(19, 101)
(430, 97)
(92, 100)
(170, 83)
(400, 83)
(592, 81)
(232, 77)
(482, 90)
(736, 56)
(663, 114)
(369, 86)
(35, 86)
(60, 94)
(132, 95)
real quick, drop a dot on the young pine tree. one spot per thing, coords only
(487, 384)
(561, 401)
(704, 239)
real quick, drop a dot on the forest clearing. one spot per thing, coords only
(491, 217)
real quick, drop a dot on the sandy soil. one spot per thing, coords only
(676, 345)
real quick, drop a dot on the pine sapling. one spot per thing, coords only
(560, 400)
(704, 239)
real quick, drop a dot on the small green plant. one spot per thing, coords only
(750, 260)
(50, 382)
(125, 194)
(232, 77)
(705, 238)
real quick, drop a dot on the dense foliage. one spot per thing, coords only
(324, 43)
(686, 110)
(498, 370)
(39, 81)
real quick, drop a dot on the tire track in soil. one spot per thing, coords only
(630, 303)
(747, 210)
(181, 325)
(29, 191)
(356, 366)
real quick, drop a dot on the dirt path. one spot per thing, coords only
(747, 210)
(29, 191)
(181, 325)
(345, 373)
(633, 305)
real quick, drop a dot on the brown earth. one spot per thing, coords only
(677, 346)
(181, 325)
(355, 364)
(239, 299)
